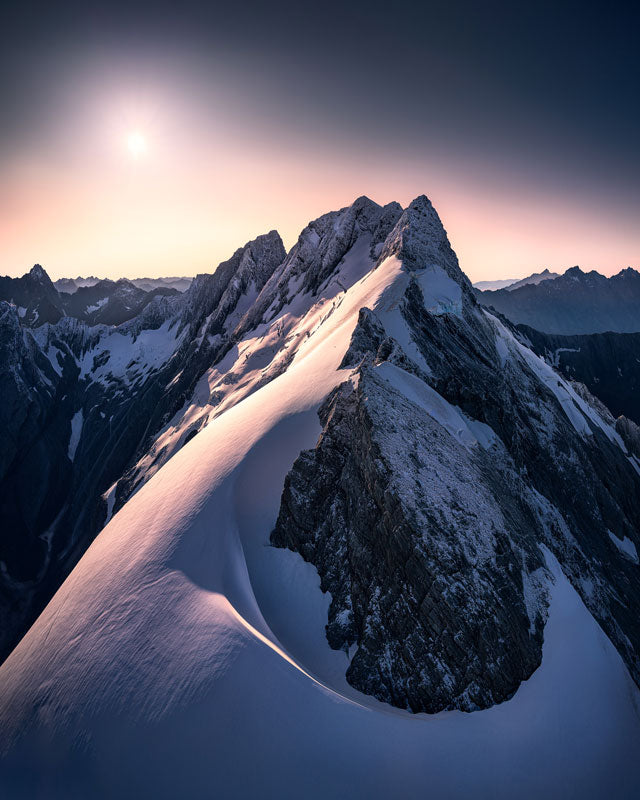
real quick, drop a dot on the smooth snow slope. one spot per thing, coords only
(184, 657)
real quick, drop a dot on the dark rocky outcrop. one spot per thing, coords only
(607, 363)
(426, 568)
(442, 487)
(34, 295)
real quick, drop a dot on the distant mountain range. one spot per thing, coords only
(514, 283)
(574, 303)
(70, 285)
(96, 302)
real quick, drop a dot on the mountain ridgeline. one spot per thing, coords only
(572, 304)
(515, 283)
(80, 400)
(453, 469)
(39, 300)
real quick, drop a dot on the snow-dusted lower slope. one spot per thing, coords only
(185, 657)
(61, 480)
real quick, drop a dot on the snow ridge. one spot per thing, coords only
(182, 645)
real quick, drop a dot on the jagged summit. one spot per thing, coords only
(578, 272)
(420, 241)
(628, 272)
(250, 265)
(320, 249)
(38, 277)
(38, 273)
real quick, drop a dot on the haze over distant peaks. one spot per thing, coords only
(577, 302)
(514, 283)
(70, 285)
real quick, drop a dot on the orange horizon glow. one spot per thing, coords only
(95, 206)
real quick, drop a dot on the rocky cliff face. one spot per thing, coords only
(34, 469)
(449, 466)
(607, 363)
(436, 583)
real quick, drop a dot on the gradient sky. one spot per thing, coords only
(520, 121)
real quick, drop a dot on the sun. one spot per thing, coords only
(136, 144)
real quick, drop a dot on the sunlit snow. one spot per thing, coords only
(184, 657)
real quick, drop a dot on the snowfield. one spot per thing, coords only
(185, 657)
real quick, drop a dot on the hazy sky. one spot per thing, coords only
(520, 121)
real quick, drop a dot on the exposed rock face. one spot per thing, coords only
(426, 570)
(249, 268)
(630, 433)
(445, 467)
(574, 303)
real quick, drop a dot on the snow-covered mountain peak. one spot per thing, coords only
(420, 241)
(218, 292)
(320, 256)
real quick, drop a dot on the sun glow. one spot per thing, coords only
(136, 144)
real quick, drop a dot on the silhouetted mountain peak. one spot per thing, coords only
(39, 274)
